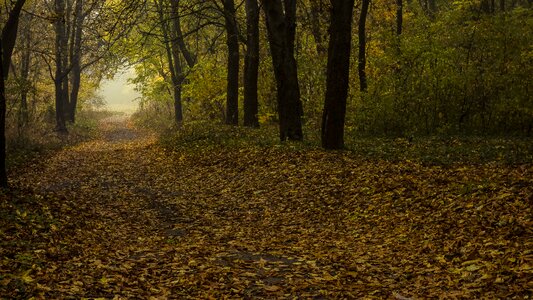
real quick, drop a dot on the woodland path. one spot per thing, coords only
(128, 219)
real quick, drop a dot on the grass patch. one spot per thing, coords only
(433, 150)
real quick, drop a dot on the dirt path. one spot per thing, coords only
(129, 220)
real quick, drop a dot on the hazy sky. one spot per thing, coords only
(119, 94)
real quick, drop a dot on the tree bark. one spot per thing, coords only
(176, 23)
(7, 43)
(361, 66)
(251, 64)
(3, 172)
(316, 28)
(399, 17)
(232, 41)
(177, 46)
(60, 74)
(338, 71)
(9, 35)
(281, 29)
(25, 63)
(75, 60)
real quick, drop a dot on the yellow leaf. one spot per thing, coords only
(272, 288)
(26, 277)
(472, 268)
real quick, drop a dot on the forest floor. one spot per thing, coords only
(122, 217)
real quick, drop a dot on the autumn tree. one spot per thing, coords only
(399, 17)
(7, 43)
(61, 67)
(361, 66)
(317, 13)
(232, 42)
(251, 64)
(281, 25)
(173, 56)
(338, 72)
(85, 33)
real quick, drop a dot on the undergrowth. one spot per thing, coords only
(433, 150)
(40, 139)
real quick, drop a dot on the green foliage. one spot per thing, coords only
(205, 92)
(41, 139)
(464, 73)
(312, 77)
(208, 135)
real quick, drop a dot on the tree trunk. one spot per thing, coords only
(432, 7)
(251, 64)
(3, 173)
(338, 72)
(75, 60)
(189, 57)
(177, 80)
(290, 23)
(174, 62)
(232, 41)
(361, 66)
(485, 6)
(399, 17)
(429, 7)
(7, 42)
(60, 75)
(316, 27)
(25, 64)
(9, 35)
(281, 29)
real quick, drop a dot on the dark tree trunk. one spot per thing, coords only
(429, 7)
(24, 74)
(338, 72)
(432, 7)
(65, 97)
(7, 42)
(232, 41)
(74, 92)
(178, 46)
(173, 59)
(177, 78)
(75, 60)
(251, 64)
(290, 23)
(316, 12)
(9, 35)
(281, 30)
(60, 74)
(361, 66)
(176, 24)
(399, 17)
(502, 5)
(3, 173)
(485, 6)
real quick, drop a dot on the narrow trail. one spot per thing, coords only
(133, 221)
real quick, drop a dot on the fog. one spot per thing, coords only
(118, 94)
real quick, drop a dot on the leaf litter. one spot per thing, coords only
(122, 217)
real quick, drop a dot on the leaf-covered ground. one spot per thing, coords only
(122, 217)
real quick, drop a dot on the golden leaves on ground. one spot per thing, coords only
(120, 217)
